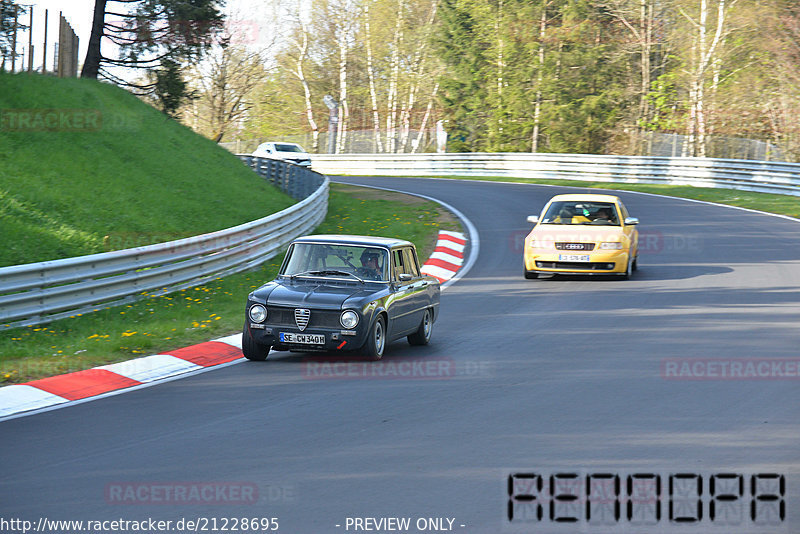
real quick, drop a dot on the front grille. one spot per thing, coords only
(575, 265)
(278, 316)
(575, 246)
(301, 317)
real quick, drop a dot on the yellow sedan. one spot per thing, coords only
(582, 234)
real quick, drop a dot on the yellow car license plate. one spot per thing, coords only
(573, 257)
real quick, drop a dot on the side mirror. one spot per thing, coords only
(631, 220)
(533, 219)
(405, 277)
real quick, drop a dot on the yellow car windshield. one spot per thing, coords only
(581, 212)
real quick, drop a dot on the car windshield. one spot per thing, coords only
(336, 261)
(581, 212)
(283, 147)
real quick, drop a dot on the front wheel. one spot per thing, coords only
(423, 334)
(628, 270)
(252, 349)
(376, 340)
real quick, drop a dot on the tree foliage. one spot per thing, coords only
(158, 36)
(10, 21)
(579, 76)
(504, 56)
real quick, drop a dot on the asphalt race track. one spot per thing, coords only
(600, 378)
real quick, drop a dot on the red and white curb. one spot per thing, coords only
(447, 257)
(72, 387)
(31, 397)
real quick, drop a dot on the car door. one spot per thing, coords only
(403, 301)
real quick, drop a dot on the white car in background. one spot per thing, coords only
(291, 152)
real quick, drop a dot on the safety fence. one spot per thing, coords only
(37, 293)
(760, 176)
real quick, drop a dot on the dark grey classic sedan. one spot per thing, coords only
(342, 292)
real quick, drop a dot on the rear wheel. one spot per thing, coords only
(252, 349)
(423, 334)
(376, 340)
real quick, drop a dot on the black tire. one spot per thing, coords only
(628, 271)
(252, 349)
(376, 340)
(530, 275)
(423, 334)
(636, 263)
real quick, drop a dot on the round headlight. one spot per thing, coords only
(349, 319)
(258, 313)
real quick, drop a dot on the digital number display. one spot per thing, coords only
(646, 498)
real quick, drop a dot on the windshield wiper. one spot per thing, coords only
(327, 272)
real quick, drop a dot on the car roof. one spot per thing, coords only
(280, 143)
(585, 197)
(357, 240)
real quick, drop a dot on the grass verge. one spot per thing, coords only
(159, 324)
(86, 167)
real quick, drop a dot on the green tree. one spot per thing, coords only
(10, 24)
(159, 36)
(170, 89)
(524, 73)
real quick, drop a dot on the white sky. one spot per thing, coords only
(253, 20)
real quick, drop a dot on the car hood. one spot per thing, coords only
(577, 233)
(292, 155)
(313, 295)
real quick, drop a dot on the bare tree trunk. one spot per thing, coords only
(418, 72)
(376, 124)
(391, 119)
(699, 83)
(303, 50)
(342, 129)
(418, 142)
(646, 15)
(498, 28)
(697, 140)
(91, 64)
(643, 37)
(537, 107)
(405, 116)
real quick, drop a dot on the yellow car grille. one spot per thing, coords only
(575, 246)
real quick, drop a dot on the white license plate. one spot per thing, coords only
(573, 257)
(305, 339)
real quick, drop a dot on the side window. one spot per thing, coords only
(397, 262)
(410, 260)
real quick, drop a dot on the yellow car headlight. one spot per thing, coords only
(611, 245)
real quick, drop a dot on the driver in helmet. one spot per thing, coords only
(369, 265)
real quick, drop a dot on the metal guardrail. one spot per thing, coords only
(37, 293)
(760, 176)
